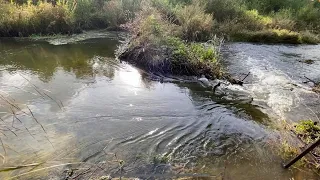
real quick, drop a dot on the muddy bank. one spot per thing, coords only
(174, 60)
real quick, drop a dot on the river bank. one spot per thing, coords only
(108, 112)
(232, 20)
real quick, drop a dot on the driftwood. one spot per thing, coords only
(310, 80)
(237, 81)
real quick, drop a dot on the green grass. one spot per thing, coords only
(276, 36)
(271, 21)
(66, 17)
(162, 46)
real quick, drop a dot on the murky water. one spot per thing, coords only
(67, 103)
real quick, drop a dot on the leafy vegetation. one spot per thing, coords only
(25, 18)
(162, 46)
(307, 130)
(271, 21)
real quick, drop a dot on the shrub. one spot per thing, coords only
(225, 10)
(119, 12)
(309, 38)
(166, 8)
(157, 47)
(87, 16)
(29, 19)
(283, 20)
(196, 24)
(308, 15)
(276, 36)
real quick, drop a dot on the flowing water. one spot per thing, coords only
(70, 109)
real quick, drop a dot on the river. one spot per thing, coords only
(69, 109)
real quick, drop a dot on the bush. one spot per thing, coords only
(308, 15)
(87, 15)
(283, 20)
(196, 24)
(157, 47)
(276, 36)
(29, 19)
(225, 10)
(119, 12)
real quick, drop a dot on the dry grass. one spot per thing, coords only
(195, 23)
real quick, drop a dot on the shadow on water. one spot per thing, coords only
(102, 117)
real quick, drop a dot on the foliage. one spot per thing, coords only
(224, 10)
(287, 21)
(25, 18)
(308, 130)
(161, 46)
(86, 15)
(196, 24)
(119, 12)
(276, 36)
(29, 19)
(288, 151)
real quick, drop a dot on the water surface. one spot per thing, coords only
(67, 103)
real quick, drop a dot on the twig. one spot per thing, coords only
(245, 77)
(12, 131)
(19, 167)
(310, 80)
(5, 151)
(36, 119)
(52, 100)
(35, 87)
(13, 105)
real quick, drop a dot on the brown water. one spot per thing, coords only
(98, 116)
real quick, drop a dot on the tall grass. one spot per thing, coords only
(24, 18)
(197, 19)
(119, 12)
(29, 19)
(195, 23)
(164, 45)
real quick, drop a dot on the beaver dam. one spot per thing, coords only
(71, 110)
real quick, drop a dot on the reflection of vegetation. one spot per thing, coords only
(44, 59)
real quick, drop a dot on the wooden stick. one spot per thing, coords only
(310, 80)
(245, 77)
(303, 153)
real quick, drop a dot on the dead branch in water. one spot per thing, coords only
(310, 80)
(245, 77)
(316, 87)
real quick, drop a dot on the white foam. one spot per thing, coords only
(273, 87)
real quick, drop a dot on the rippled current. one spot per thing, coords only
(70, 110)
